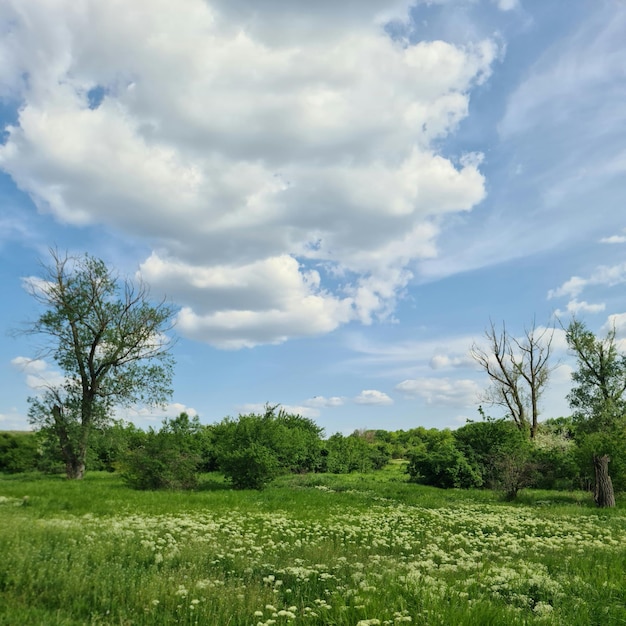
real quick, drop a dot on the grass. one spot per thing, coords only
(310, 549)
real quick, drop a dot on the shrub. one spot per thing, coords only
(443, 465)
(253, 449)
(252, 467)
(19, 452)
(167, 459)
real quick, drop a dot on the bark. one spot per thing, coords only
(74, 460)
(604, 495)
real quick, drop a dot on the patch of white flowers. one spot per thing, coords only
(357, 564)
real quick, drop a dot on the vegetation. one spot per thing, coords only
(599, 402)
(108, 341)
(320, 549)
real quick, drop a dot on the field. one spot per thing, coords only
(311, 550)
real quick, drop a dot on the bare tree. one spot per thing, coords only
(519, 370)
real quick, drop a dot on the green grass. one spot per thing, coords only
(310, 549)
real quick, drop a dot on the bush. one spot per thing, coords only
(253, 467)
(253, 449)
(355, 453)
(500, 451)
(19, 452)
(443, 465)
(167, 459)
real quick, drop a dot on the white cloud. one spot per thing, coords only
(446, 361)
(605, 275)
(323, 402)
(13, 420)
(245, 146)
(506, 5)
(447, 391)
(154, 414)
(614, 239)
(574, 307)
(616, 321)
(294, 409)
(374, 397)
(38, 373)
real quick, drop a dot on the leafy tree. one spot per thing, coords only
(353, 454)
(598, 400)
(519, 371)
(440, 463)
(19, 452)
(500, 451)
(110, 343)
(556, 454)
(110, 444)
(167, 459)
(253, 449)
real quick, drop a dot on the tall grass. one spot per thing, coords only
(311, 549)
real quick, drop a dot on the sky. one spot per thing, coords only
(338, 198)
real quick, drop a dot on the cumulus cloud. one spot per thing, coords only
(373, 397)
(446, 391)
(323, 402)
(38, 373)
(614, 238)
(605, 275)
(574, 307)
(616, 321)
(249, 148)
(447, 361)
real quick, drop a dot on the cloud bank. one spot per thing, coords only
(282, 163)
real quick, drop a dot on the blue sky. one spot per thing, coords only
(337, 197)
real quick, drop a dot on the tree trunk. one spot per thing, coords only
(603, 495)
(74, 460)
(75, 469)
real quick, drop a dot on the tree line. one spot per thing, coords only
(112, 343)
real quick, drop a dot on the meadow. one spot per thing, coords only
(353, 550)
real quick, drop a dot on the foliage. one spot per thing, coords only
(499, 451)
(109, 445)
(167, 459)
(19, 452)
(109, 342)
(355, 453)
(253, 449)
(441, 464)
(599, 402)
(251, 467)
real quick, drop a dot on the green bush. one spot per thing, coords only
(253, 449)
(442, 464)
(252, 467)
(19, 452)
(167, 459)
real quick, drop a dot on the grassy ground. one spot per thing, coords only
(313, 549)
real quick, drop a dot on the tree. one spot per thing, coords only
(519, 371)
(252, 450)
(167, 459)
(598, 400)
(110, 343)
